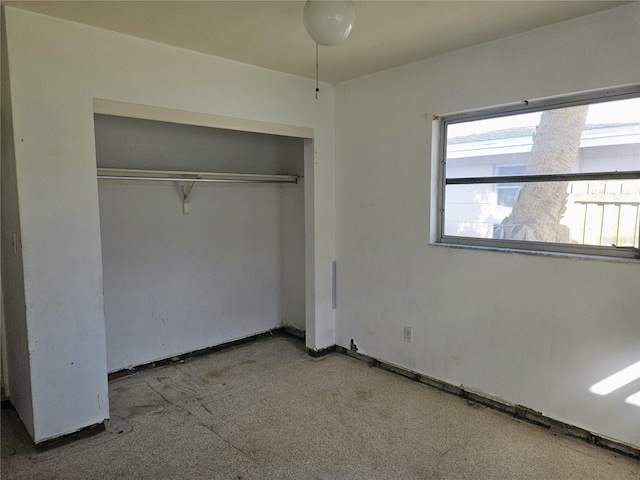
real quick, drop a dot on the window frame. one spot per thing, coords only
(526, 106)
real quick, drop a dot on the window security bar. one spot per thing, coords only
(548, 177)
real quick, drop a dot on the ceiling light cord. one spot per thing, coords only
(317, 82)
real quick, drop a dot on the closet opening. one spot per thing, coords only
(202, 233)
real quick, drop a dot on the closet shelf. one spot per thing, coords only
(187, 180)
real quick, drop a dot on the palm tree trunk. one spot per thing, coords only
(539, 207)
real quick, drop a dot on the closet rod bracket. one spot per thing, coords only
(188, 191)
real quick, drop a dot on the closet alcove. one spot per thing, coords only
(203, 236)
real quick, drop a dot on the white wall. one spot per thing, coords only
(531, 330)
(292, 237)
(176, 283)
(233, 267)
(56, 69)
(123, 142)
(15, 345)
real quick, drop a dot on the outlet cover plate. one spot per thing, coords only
(408, 334)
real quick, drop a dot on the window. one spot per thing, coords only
(558, 175)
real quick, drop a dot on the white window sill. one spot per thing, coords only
(543, 253)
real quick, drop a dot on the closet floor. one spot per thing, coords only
(268, 410)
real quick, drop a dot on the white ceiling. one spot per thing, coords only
(271, 34)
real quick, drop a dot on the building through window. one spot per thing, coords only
(506, 192)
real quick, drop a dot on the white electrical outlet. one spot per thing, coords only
(408, 334)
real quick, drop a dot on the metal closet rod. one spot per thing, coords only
(199, 180)
(190, 177)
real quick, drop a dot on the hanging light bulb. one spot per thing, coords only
(329, 22)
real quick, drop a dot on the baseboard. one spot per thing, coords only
(518, 411)
(322, 351)
(85, 432)
(295, 332)
(196, 353)
(70, 437)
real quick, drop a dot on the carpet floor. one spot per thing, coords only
(267, 410)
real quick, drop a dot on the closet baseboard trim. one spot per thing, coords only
(196, 353)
